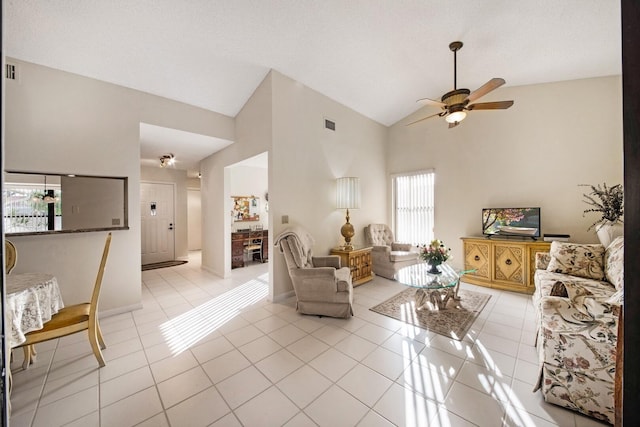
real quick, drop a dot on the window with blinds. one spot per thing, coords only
(413, 207)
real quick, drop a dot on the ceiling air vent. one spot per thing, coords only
(11, 71)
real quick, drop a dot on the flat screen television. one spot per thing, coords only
(523, 222)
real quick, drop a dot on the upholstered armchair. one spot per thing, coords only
(387, 255)
(322, 287)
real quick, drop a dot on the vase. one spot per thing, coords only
(608, 231)
(434, 267)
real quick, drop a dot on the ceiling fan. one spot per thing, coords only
(457, 102)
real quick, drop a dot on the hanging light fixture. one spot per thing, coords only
(456, 116)
(48, 196)
(167, 160)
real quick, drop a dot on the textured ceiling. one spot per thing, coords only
(375, 56)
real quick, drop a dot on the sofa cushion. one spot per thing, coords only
(582, 260)
(402, 256)
(617, 297)
(542, 260)
(614, 263)
(549, 283)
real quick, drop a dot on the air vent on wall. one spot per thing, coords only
(11, 71)
(328, 124)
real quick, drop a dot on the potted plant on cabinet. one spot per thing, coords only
(608, 202)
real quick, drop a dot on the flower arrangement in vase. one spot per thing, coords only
(608, 202)
(435, 253)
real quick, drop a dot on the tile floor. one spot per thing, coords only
(206, 351)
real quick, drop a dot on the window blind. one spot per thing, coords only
(413, 200)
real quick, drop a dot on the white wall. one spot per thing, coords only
(305, 161)
(286, 119)
(194, 219)
(63, 123)
(92, 202)
(555, 137)
(253, 136)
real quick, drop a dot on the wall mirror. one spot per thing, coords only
(246, 208)
(35, 203)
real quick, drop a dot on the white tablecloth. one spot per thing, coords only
(32, 298)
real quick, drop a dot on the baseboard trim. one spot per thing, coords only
(212, 271)
(284, 296)
(120, 310)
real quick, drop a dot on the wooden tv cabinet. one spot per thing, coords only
(507, 264)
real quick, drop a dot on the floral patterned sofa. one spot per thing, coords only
(578, 297)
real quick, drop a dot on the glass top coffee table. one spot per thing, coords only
(436, 289)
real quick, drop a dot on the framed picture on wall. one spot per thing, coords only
(246, 208)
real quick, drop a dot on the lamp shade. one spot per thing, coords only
(348, 193)
(456, 116)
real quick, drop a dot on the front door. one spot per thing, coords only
(157, 222)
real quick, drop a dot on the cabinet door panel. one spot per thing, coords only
(509, 263)
(476, 256)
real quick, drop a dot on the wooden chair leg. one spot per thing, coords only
(27, 356)
(100, 338)
(93, 339)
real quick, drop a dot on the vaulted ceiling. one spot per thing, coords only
(375, 56)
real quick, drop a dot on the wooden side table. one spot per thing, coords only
(358, 260)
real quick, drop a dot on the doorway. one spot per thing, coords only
(157, 213)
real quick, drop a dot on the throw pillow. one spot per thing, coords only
(582, 260)
(614, 263)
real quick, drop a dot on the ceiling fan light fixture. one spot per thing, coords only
(456, 116)
(455, 103)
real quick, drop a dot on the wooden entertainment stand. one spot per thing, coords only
(507, 264)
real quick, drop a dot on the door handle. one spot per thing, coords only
(171, 226)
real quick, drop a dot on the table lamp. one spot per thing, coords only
(348, 197)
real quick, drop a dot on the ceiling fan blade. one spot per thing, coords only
(492, 84)
(454, 124)
(427, 101)
(498, 105)
(425, 118)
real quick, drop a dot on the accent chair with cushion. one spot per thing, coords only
(73, 319)
(322, 287)
(387, 255)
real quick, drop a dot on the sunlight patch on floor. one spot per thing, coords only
(184, 331)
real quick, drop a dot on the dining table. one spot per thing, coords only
(31, 300)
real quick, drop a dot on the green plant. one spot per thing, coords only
(608, 201)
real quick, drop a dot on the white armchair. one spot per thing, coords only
(322, 287)
(387, 255)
